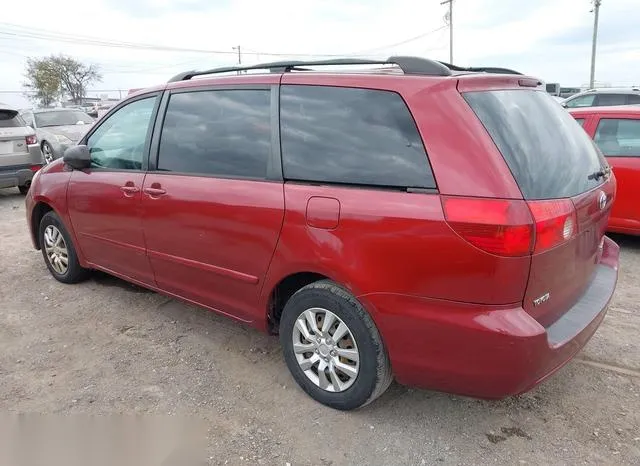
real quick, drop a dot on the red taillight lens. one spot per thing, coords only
(499, 226)
(35, 168)
(31, 139)
(556, 222)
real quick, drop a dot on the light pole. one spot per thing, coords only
(596, 11)
(450, 2)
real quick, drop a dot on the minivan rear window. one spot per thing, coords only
(548, 152)
(10, 119)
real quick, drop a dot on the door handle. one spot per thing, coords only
(129, 190)
(154, 192)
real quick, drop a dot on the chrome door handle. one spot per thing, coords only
(129, 190)
(154, 192)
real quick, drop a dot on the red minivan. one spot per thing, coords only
(616, 131)
(440, 225)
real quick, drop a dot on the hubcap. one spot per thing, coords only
(56, 249)
(47, 153)
(326, 349)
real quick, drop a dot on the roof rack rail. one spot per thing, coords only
(481, 69)
(409, 65)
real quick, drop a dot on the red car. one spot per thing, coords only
(440, 225)
(616, 131)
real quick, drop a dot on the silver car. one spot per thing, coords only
(605, 96)
(57, 129)
(20, 155)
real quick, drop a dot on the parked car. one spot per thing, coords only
(616, 131)
(604, 97)
(20, 154)
(440, 226)
(57, 129)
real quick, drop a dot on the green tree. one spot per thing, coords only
(52, 77)
(43, 81)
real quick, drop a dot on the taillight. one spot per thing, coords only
(499, 226)
(31, 139)
(556, 222)
(35, 168)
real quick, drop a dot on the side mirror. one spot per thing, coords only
(77, 157)
(564, 104)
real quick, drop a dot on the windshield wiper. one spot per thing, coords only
(602, 173)
(596, 175)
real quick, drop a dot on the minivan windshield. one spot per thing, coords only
(548, 152)
(61, 118)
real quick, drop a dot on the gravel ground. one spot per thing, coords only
(108, 347)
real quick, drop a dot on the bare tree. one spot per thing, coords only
(75, 76)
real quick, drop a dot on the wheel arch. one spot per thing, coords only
(282, 291)
(39, 210)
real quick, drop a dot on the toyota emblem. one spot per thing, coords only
(602, 200)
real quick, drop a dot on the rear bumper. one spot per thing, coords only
(487, 351)
(15, 176)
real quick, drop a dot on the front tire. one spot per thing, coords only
(332, 347)
(47, 153)
(58, 251)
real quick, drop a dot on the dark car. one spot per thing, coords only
(436, 224)
(616, 131)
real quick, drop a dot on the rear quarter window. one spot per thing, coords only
(547, 151)
(351, 136)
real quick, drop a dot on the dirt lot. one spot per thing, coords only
(107, 347)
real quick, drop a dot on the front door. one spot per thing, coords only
(211, 214)
(104, 200)
(619, 140)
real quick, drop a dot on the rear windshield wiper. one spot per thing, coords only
(602, 173)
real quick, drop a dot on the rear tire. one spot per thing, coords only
(59, 252)
(24, 189)
(344, 374)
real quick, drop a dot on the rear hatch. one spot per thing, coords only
(566, 184)
(14, 149)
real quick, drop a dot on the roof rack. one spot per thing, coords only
(408, 65)
(481, 69)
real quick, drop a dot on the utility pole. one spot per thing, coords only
(450, 2)
(596, 11)
(239, 55)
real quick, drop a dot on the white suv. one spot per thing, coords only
(20, 155)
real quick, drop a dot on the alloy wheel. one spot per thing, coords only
(56, 249)
(326, 350)
(47, 153)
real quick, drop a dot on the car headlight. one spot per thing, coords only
(63, 139)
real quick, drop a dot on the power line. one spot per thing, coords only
(43, 34)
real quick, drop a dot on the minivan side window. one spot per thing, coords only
(223, 133)
(119, 142)
(618, 137)
(351, 136)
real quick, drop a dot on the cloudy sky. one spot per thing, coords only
(134, 41)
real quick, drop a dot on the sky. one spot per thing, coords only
(134, 42)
